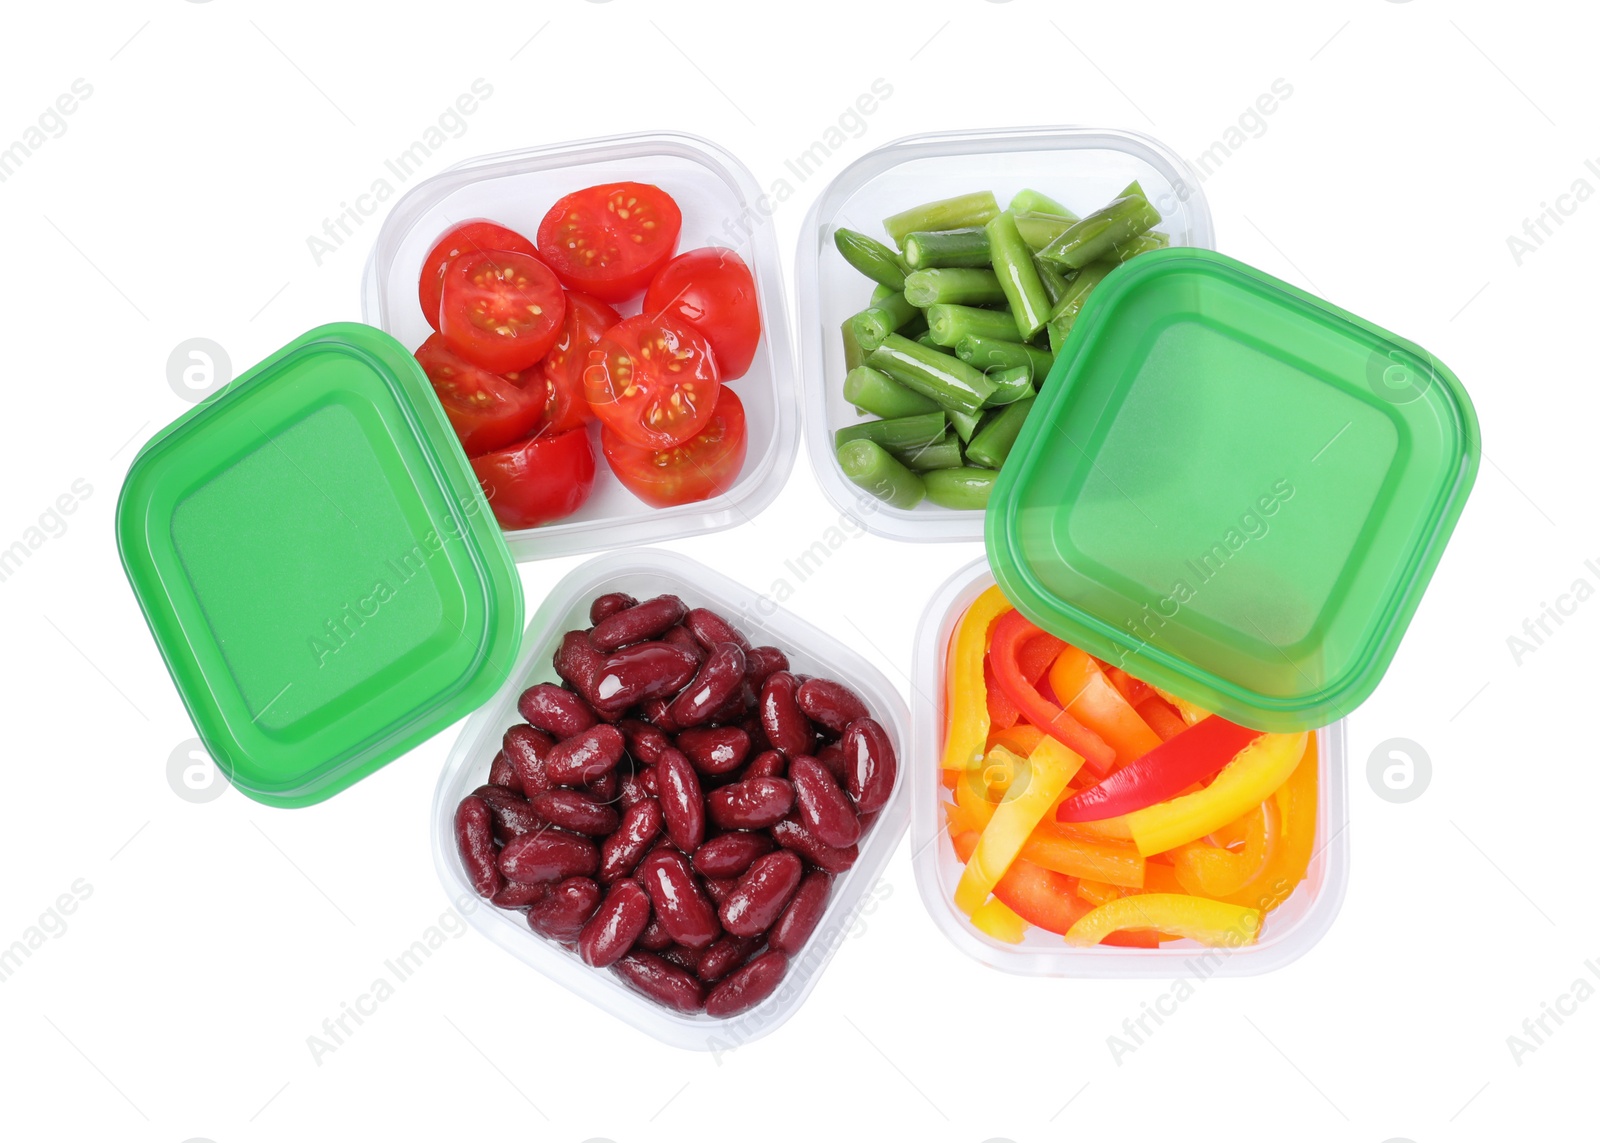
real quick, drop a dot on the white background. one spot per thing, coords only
(218, 936)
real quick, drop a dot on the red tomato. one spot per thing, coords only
(609, 240)
(486, 410)
(712, 289)
(502, 310)
(478, 236)
(537, 480)
(704, 466)
(652, 381)
(586, 320)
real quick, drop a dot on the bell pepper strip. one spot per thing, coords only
(997, 919)
(1160, 717)
(972, 800)
(1295, 803)
(1003, 713)
(1160, 878)
(1042, 897)
(1010, 631)
(1111, 829)
(1215, 924)
(967, 723)
(1132, 689)
(1209, 869)
(1031, 792)
(1190, 713)
(1019, 739)
(1135, 939)
(1115, 862)
(1165, 772)
(1083, 689)
(1097, 893)
(1035, 655)
(1248, 780)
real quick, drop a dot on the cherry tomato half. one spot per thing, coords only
(537, 480)
(705, 465)
(479, 236)
(652, 381)
(501, 310)
(562, 370)
(486, 410)
(608, 241)
(712, 289)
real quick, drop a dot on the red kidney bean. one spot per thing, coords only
(650, 782)
(824, 809)
(647, 620)
(758, 900)
(793, 835)
(767, 764)
(747, 986)
(801, 916)
(638, 674)
(831, 704)
(636, 832)
(685, 911)
(631, 789)
(503, 773)
(645, 742)
(715, 749)
(832, 758)
(655, 938)
(512, 814)
(661, 981)
(584, 757)
(548, 856)
(616, 924)
(561, 913)
(475, 843)
(682, 803)
(605, 788)
(685, 958)
(656, 713)
(762, 663)
(786, 725)
(555, 710)
(751, 725)
(610, 604)
(730, 854)
(680, 637)
(718, 679)
(710, 630)
(515, 895)
(578, 663)
(753, 803)
(718, 888)
(739, 704)
(576, 812)
(869, 764)
(526, 750)
(725, 955)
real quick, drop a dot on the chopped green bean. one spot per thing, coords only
(956, 385)
(870, 467)
(880, 293)
(1095, 236)
(966, 287)
(949, 324)
(871, 257)
(1078, 290)
(879, 320)
(965, 424)
(1053, 280)
(1038, 229)
(854, 355)
(993, 443)
(1010, 385)
(1034, 202)
(926, 338)
(1013, 265)
(930, 249)
(992, 353)
(959, 487)
(869, 389)
(943, 453)
(1144, 244)
(946, 214)
(895, 433)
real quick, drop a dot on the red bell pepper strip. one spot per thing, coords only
(1003, 713)
(1163, 773)
(1162, 718)
(1006, 638)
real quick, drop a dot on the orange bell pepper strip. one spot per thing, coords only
(1212, 923)
(1160, 717)
(1087, 694)
(1248, 780)
(1132, 689)
(1160, 878)
(966, 696)
(1019, 739)
(1190, 713)
(1295, 805)
(1010, 632)
(1041, 897)
(1207, 869)
(998, 919)
(1033, 789)
(1114, 862)
(1097, 892)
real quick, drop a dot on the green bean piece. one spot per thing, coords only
(1010, 385)
(959, 487)
(932, 249)
(1095, 236)
(946, 214)
(1066, 311)
(880, 319)
(895, 433)
(870, 467)
(953, 286)
(871, 257)
(1031, 201)
(1153, 240)
(1013, 265)
(926, 338)
(956, 385)
(943, 453)
(854, 355)
(993, 443)
(965, 424)
(1038, 229)
(949, 324)
(991, 354)
(868, 388)
(880, 293)
(1053, 280)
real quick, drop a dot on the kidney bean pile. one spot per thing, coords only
(676, 809)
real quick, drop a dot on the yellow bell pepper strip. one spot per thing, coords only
(1207, 869)
(1212, 923)
(966, 697)
(1115, 862)
(1010, 632)
(996, 918)
(1042, 897)
(1090, 697)
(1164, 772)
(1295, 803)
(1189, 711)
(1248, 780)
(1036, 785)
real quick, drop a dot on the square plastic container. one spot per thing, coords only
(1084, 167)
(1286, 933)
(719, 199)
(643, 573)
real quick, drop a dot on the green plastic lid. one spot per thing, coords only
(319, 567)
(1233, 489)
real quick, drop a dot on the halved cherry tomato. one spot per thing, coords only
(479, 236)
(712, 289)
(562, 371)
(652, 381)
(608, 241)
(537, 480)
(486, 410)
(704, 466)
(500, 309)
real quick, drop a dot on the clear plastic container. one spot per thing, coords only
(1286, 933)
(719, 199)
(643, 573)
(1083, 167)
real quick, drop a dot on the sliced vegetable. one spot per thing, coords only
(973, 209)
(870, 467)
(871, 257)
(1212, 923)
(964, 247)
(959, 487)
(1012, 260)
(967, 722)
(873, 390)
(1163, 772)
(1250, 778)
(1009, 633)
(1038, 780)
(954, 384)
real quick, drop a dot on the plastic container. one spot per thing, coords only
(1084, 167)
(1287, 932)
(719, 199)
(643, 573)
